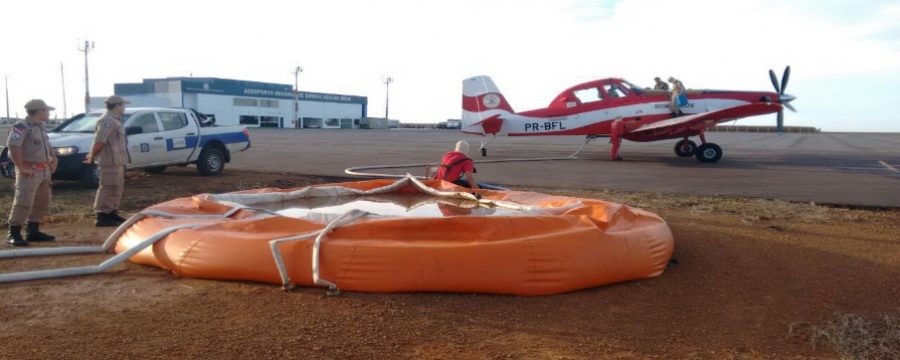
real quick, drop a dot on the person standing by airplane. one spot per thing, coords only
(660, 85)
(455, 165)
(679, 97)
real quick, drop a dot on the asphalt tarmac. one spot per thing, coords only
(857, 169)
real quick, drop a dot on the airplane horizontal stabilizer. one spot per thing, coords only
(491, 125)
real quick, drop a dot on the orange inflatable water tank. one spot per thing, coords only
(402, 236)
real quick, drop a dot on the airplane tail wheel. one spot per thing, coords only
(708, 152)
(685, 148)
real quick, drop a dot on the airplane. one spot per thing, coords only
(620, 110)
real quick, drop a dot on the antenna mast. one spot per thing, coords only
(88, 46)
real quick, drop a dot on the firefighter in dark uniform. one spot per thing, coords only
(30, 151)
(110, 153)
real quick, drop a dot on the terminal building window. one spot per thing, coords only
(244, 102)
(268, 103)
(249, 120)
(312, 123)
(268, 121)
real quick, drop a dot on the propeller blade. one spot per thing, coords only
(784, 79)
(780, 122)
(789, 106)
(774, 81)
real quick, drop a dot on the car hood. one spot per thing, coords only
(81, 140)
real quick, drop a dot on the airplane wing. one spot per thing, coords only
(691, 124)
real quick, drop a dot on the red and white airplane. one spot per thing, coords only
(620, 110)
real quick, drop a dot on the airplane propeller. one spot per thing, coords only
(774, 81)
(783, 99)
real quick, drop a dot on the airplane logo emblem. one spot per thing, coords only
(491, 101)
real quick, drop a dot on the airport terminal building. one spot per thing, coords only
(251, 103)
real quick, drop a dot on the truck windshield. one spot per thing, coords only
(86, 124)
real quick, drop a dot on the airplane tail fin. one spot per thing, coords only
(483, 106)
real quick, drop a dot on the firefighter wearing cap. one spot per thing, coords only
(30, 151)
(110, 154)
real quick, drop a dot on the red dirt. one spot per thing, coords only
(733, 293)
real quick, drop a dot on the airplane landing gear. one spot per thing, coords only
(685, 148)
(484, 145)
(708, 153)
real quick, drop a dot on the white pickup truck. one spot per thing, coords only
(157, 138)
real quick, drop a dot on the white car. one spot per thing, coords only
(157, 138)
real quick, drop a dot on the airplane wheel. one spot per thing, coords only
(708, 152)
(483, 152)
(685, 148)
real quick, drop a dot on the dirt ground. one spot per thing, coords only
(745, 270)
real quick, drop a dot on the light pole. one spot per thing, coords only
(6, 85)
(387, 80)
(62, 75)
(297, 71)
(88, 46)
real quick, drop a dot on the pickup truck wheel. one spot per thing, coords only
(90, 176)
(211, 162)
(155, 170)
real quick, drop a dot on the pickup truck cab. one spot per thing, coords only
(157, 138)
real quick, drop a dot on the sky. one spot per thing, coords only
(844, 55)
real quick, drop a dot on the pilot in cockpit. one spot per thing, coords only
(613, 92)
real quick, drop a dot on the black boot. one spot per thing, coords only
(115, 216)
(14, 237)
(103, 220)
(33, 233)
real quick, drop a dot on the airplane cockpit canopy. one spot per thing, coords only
(595, 91)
